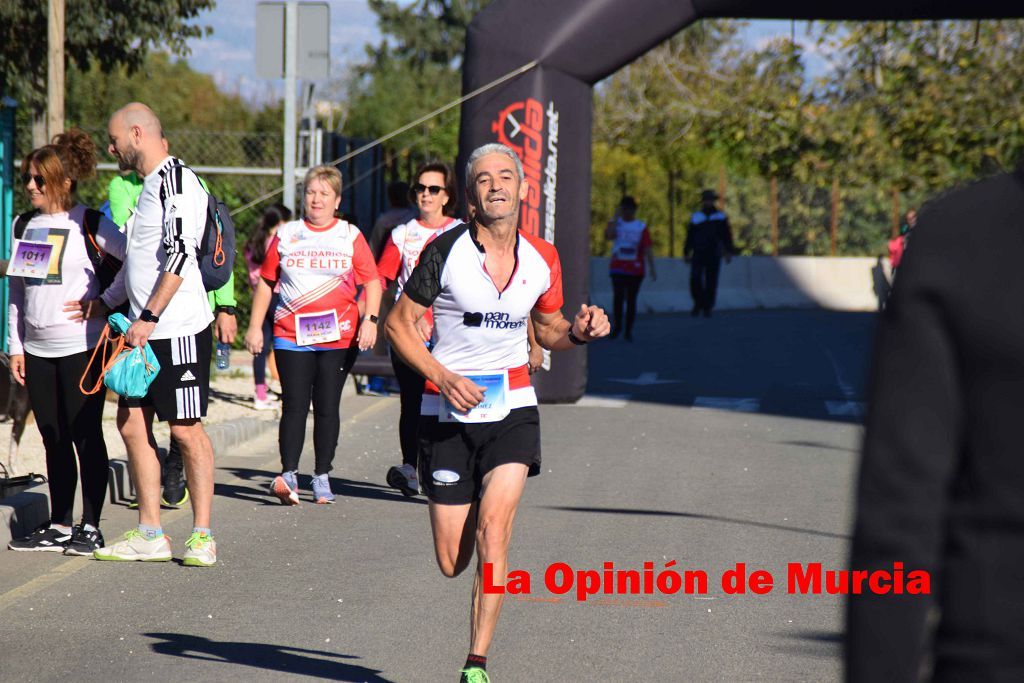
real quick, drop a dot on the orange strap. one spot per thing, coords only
(107, 361)
(218, 252)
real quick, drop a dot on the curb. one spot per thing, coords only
(23, 512)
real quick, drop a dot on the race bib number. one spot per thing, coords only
(493, 408)
(626, 253)
(30, 259)
(317, 328)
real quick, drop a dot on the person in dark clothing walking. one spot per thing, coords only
(708, 239)
(941, 476)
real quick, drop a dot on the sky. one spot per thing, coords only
(228, 54)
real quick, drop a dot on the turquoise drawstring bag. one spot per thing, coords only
(127, 371)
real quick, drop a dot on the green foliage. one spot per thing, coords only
(414, 70)
(109, 33)
(912, 106)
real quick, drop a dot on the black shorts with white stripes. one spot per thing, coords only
(182, 387)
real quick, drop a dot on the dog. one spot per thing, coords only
(16, 408)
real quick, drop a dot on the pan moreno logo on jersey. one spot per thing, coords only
(531, 131)
(494, 321)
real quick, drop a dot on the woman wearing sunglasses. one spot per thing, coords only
(434, 195)
(55, 320)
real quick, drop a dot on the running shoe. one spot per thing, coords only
(201, 551)
(404, 479)
(474, 674)
(265, 404)
(44, 539)
(135, 547)
(175, 491)
(286, 487)
(83, 543)
(322, 490)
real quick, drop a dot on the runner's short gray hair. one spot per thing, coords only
(493, 148)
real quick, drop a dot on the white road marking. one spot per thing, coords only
(646, 379)
(606, 401)
(739, 405)
(845, 408)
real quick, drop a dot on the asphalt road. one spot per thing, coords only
(706, 442)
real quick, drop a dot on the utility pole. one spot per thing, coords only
(291, 40)
(55, 69)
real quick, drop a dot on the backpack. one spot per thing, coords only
(105, 265)
(216, 254)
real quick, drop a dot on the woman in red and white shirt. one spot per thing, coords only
(434, 194)
(318, 263)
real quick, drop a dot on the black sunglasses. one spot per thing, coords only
(420, 188)
(39, 180)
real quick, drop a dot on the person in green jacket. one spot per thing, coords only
(123, 194)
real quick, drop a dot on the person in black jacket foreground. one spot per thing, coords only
(942, 479)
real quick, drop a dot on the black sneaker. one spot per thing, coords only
(175, 493)
(83, 542)
(42, 539)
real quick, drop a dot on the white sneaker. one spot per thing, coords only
(135, 547)
(274, 386)
(202, 551)
(265, 404)
(404, 479)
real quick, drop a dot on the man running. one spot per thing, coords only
(479, 433)
(171, 313)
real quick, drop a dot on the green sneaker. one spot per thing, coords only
(135, 547)
(474, 674)
(202, 551)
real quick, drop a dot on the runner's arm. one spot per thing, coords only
(552, 329)
(254, 340)
(401, 331)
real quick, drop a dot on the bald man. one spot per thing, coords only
(170, 313)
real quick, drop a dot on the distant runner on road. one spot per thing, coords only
(479, 431)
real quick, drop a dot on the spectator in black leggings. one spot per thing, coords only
(631, 247)
(434, 194)
(318, 262)
(52, 332)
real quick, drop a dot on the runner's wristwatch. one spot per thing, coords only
(147, 316)
(372, 318)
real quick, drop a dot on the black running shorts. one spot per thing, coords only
(182, 387)
(454, 457)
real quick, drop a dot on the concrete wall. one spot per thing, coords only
(844, 284)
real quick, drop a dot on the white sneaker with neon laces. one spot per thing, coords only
(135, 547)
(201, 552)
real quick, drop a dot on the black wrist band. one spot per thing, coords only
(372, 318)
(147, 316)
(575, 340)
(230, 310)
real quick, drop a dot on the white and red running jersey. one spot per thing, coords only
(632, 241)
(403, 247)
(318, 270)
(479, 327)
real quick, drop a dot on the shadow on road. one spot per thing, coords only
(281, 658)
(693, 515)
(260, 479)
(808, 364)
(825, 644)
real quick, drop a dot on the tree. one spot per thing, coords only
(108, 33)
(414, 70)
